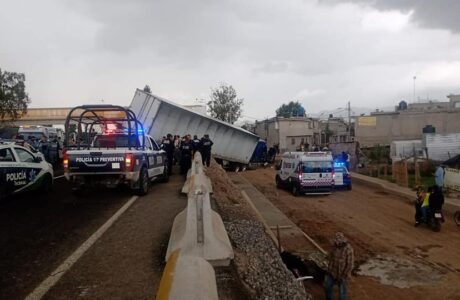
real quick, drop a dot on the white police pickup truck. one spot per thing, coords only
(21, 170)
(112, 150)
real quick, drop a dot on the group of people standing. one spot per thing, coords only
(181, 149)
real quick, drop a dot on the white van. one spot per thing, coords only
(306, 172)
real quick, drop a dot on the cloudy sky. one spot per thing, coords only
(322, 53)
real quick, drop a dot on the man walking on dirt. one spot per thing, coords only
(339, 267)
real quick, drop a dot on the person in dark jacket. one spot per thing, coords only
(186, 151)
(168, 146)
(196, 144)
(205, 148)
(436, 199)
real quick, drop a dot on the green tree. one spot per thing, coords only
(224, 105)
(291, 109)
(147, 89)
(13, 96)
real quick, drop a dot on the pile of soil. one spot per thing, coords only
(257, 261)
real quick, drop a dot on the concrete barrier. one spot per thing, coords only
(187, 277)
(196, 176)
(198, 230)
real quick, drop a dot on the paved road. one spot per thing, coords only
(38, 233)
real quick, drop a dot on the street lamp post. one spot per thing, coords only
(415, 77)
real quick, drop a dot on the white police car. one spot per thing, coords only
(21, 170)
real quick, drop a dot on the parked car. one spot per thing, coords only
(342, 176)
(21, 170)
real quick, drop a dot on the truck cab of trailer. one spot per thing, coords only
(306, 172)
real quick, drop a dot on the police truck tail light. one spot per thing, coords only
(65, 161)
(299, 173)
(129, 161)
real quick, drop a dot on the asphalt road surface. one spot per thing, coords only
(38, 233)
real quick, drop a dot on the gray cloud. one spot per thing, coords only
(426, 13)
(271, 51)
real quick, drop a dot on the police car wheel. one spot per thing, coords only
(47, 185)
(349, 187)
(144, 183)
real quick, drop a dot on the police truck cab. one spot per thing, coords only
(306, 172)
(111, 149)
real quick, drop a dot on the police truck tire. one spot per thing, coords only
(143, 182)
(165, 175)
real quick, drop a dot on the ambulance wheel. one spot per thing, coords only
(457, 218)
(295, 190)
(143, 183)
(278, 181)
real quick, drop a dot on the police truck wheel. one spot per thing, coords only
(295, 190)
(144, 183)
(165, 175)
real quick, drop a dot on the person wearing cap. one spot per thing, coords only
(196, 144)
(186, 154)
(205, 148)
(339, 267)
(168, 147)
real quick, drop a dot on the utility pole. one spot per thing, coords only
(349, 121)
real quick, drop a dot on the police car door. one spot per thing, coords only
(150, 157)
(27, 172)
(159, 158)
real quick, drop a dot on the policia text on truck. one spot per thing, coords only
(111, 149)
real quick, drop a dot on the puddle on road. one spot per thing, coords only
(399, 272)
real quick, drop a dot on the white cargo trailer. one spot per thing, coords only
(233, 145)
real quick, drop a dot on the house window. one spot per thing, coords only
(302, 141)
(292, 141)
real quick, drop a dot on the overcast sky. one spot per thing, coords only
(322, 53)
